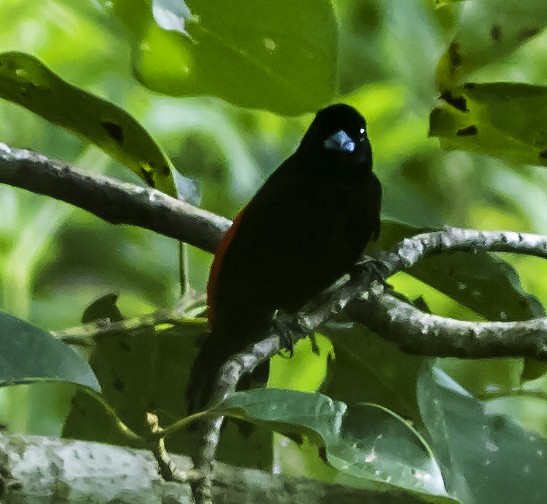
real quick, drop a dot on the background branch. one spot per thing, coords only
(115, 202)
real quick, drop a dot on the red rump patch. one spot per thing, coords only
(215, 267)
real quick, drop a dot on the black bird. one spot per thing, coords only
(306, 227)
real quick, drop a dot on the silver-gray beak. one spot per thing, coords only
(340, 141)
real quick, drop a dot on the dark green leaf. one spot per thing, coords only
(104, 308)
(482, 282)
(367, 368)
(485, 457)
(29, 354)
(363, 441)
(26, 81)
(147, 370)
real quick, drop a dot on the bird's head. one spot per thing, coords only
(339, 132)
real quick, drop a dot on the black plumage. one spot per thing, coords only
(306, 226)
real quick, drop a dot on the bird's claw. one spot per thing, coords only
(375, 270)
(288, 330)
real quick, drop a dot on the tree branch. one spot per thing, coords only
(40, 469)
(115, 202)
(412, 330)
(367, 302)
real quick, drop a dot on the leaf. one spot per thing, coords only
(104, 308)
(444, 3)
(488, 31)
(482, 282)
(29, 354)
(364, 441)
(505, 120)
(479, 450)
(272, 55)
(146, 369)
(26, 81)
(367, 368)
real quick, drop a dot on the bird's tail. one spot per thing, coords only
(213, 354)
(216, 350)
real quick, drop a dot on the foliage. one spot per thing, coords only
(388, 419)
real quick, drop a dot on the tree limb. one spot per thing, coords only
(41, 469)
(366, 301)
(115, 202)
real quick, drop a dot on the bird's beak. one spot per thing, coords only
(340, 141)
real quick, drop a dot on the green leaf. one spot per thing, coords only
(444, 3)
(364, 441)
(505, 120)
(139, 369)
(29, 354)
(482, 282)
(485, 457)
(272, 55)
(488, 31)
(146, 369)
(26, 81)
(367, 368)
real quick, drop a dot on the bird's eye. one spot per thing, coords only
(362, 135)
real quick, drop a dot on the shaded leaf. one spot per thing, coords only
(272, 55)
(364, 441)
(104, 308)
(482, 282)
(29, 354)
(479, 450)
(26, 81)
(367, 368)
(146, 370)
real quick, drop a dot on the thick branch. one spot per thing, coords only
(411, 329)
(111, 200)
(39, 469)
(416, 332)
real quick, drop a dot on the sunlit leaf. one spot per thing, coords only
(488, 31)
(273, 55)
(26, 81)
(29, 354)
(505, 120)
(444, 3)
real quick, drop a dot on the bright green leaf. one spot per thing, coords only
(26, 81)
(488, 31)
(505, 120)
(272, 55)
(444, 3)
(29, 354)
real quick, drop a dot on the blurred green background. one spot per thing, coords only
(55, 259)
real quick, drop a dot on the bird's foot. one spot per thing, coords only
(288, 330)
(372, 270)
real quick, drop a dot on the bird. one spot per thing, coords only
(305, 228)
